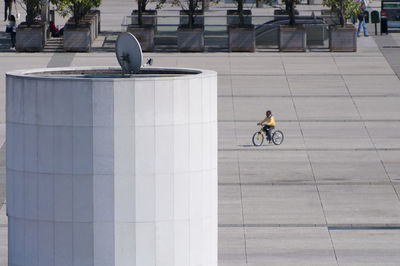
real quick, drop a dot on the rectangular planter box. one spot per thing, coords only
(342, 39)
(77, 39)
(191, 39)
(144, 35)
(292, 39)
(98, 19)
(241, 39)
(148, 18)
(30, 39)
(233, 17)
(198, 19)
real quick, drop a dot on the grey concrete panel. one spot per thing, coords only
(317, 85)
(289, 246)
(225, 109)
(254, 108)
(281, 205)
(230, 205)
(363, 65)
(367, 247)
(384, 134)
(391, 161)
(375, 85)
(360, 204)
(336, 135)
(242, 64)
(255, 86)
(269, 167)
(326, 108)
(378, 108)
(347, 167)
(226, 135)
(228, 168)
(314, 65)
(231, 246)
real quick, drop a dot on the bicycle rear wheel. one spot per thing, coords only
(258, 138)
(277, 137)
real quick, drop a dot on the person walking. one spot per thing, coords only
(7, 9)
(12, 26)
(361, 19)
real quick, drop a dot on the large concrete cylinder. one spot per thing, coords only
(105, 170)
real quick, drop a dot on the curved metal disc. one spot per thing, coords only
(129, 52)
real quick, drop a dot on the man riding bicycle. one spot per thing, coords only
(270, 124)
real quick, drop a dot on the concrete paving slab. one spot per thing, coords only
(3, 236)
(2, 134)
(336, 135)
(228, 167)
(226, 136)
(231, 246)
(289, 246)
(329, 108)
(230, 205)
(376, 85)
(310, 65)
(313, 85)
(367, 247)
(363, 65)
(281, 204)
(254, 108)
(243, 64)
(360, 204)
(391, 161)
(268, 167)
(347, 167)
(224, 85)
(384, 134)
(378, 108)
(225, 109)
(248, 85)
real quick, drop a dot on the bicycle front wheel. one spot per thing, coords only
(277, 137)
(258, 138)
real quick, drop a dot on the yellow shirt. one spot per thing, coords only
(270, 121)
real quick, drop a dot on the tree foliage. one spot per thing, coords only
(345, 9)
(77, 8)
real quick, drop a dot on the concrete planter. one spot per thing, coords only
(98, 19)
(148, 18)
(30, 39)
(112, 171)
(191, 39)
(145, 36)
(233, 17)
(77, 39)
(342, 39)
(292, 39)
(198, 19)
(241, 39)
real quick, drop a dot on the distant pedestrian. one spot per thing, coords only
(12, 29)
(361, 19)
(7, 9)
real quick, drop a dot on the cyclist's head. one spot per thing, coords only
(268, 113)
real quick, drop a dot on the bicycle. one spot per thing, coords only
(259, 136)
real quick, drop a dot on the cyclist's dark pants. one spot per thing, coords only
(268, 130)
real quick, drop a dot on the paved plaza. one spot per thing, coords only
(330, 194)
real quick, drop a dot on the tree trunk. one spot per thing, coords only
(240, 9)
(341, 17)
(191, 13)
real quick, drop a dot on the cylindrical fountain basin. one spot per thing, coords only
(111, 170)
